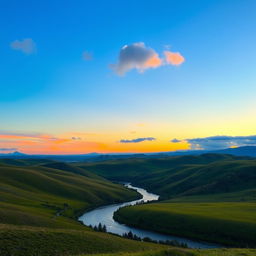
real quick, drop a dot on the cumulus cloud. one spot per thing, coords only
(138, 56)
(137, 140)
(26, 46)
(87, 55)
(220, 142)
(173, 58)
(8, 149)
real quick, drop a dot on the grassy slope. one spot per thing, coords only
(227, 223)
(184, 252)
(32, 192)
(31, 241)
(184, 175)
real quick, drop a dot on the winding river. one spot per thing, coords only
(104, 215)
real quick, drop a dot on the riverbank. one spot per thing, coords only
(104, 215)
(228, 223)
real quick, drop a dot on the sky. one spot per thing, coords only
(127, 76)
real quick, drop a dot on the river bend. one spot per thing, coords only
(104, 215)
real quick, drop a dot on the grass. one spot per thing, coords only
(31, 241)
(33, 194)
(39, 205)
(210, 197)
(166, 252)
(37, 241)
(223, 222)
(182, 176)
(183, 252)
(41, 199)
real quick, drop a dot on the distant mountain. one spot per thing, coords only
(240, 151)
(13, 154)
(97, 157)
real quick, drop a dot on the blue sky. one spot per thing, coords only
(53, 90)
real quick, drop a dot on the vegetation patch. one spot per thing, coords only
(222, 222)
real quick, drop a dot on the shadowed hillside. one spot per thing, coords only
(206, 197)
(41, 199)
(184, 175)
(34, 193)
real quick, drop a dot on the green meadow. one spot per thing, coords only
(35, 194)
(209, 197)
(39, 205)
(40, 201)
(30, 241)
(181, 176)
(229, 223)
(186, 252)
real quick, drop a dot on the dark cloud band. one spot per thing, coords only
(137, 140)
(219, 142)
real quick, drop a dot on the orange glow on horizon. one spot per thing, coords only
(79, 145)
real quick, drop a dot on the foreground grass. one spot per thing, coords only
(39, 205)
(226, 223)
(183, 252)
(35, 241)
(31, 241)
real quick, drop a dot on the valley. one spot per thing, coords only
(41, 201)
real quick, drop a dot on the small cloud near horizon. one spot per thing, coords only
(26, 46)
(76, 138)
(137, 140)
(175, 141)
(138, 56)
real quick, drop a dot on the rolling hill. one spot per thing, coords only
(41, 199)
(207, 197)
(181, 176)
(34, 189)
(39, 204)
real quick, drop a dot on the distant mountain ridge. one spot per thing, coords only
(94, 157)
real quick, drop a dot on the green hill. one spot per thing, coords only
(202, 195)
(39, 204)
(41, 199)
(31, 241)
(232, 224)
(184, 175)
(34, 194)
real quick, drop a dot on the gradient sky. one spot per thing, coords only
(65, 90)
